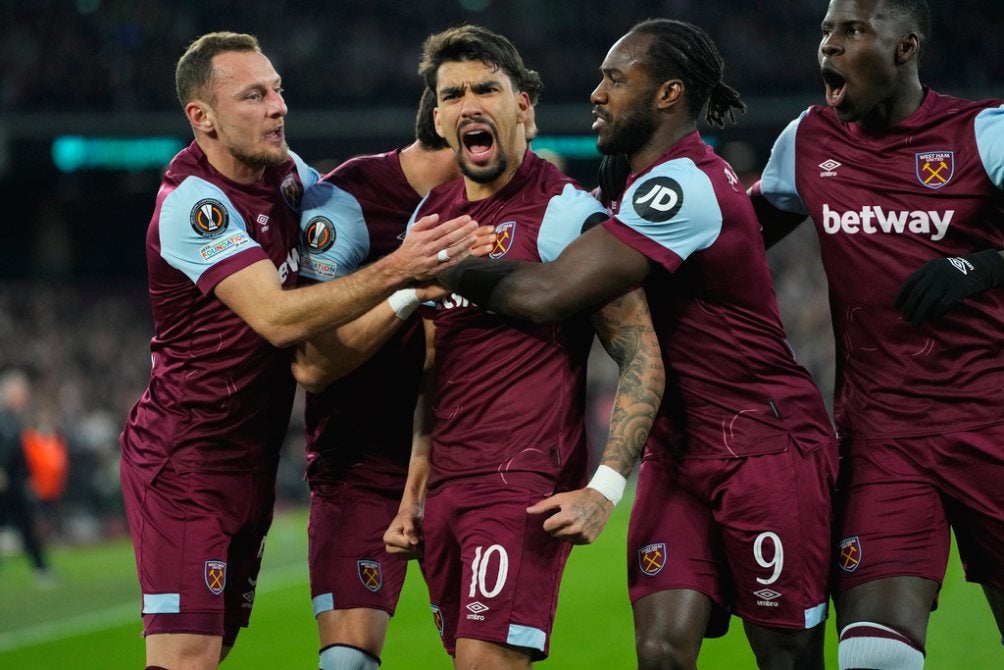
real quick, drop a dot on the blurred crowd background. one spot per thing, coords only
(73, 307)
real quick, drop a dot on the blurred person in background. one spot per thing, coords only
(201, 446)
(17, 500)
(905, 187)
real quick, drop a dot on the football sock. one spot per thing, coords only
(344, 657)
(866, 645)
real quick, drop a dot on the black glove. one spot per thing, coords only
(943, 283)
(612, 176)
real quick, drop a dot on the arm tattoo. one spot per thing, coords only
(624, 328)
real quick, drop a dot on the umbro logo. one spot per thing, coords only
(477, 610)
(829, 168)
(767, 598)
(962, 265)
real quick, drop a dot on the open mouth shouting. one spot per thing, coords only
(836, 86)
(478, 141)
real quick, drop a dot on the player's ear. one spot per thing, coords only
(436, 121)
(200, 115)
(670, 93)
(523, 107)
(908, 48)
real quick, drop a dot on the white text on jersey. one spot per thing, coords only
(873, 219)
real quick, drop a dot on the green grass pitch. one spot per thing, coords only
(90, 619)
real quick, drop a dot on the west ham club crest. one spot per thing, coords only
(652, 558)
(935, 168)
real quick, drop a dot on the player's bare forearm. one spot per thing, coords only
(624, 328)
(287, 317)
(592, 269)
(404, 535)
(332, 354)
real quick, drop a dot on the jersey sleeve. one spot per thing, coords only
(200, 229)
(308, 175)
(334, 238)
(989, 128)
(567, 216)
(671, 212)
(777, 184)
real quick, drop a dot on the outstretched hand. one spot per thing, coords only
(431, 247)
(579, 516)
(403, 536)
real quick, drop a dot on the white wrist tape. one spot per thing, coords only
(608, 482)
(404, 302)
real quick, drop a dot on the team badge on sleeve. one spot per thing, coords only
(658, 199)
(319, 235)
(292, 191)
(505, 233)
(652, 558)
(935, 168)
(370, 574)
(437, 618)
(216, 576)
(209, 217)
(849, 556)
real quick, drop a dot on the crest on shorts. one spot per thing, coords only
(652, 558)
(216, 576)
(505, 233)
(849, 554)
(437, 618)
(935, 168)
(370, 574)
(292, 191)
(209, 217)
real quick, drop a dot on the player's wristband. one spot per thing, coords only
(404, 302)
(608, 482)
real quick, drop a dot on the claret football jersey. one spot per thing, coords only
(510, 396)
(220, 395)
(883, 206)
(356, 214)
(733, 387)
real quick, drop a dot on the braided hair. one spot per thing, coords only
(683, 51)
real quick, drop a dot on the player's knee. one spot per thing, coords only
(658, 652)
(344, 657)
(865, 644)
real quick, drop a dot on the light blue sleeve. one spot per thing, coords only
(675, 206)
(334, 238)
(989, 127)
(563, 220)
(308, 175)
(199, 227)
(777, 183)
